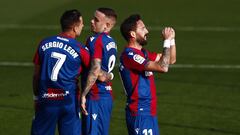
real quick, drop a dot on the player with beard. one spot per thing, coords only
(136, 69)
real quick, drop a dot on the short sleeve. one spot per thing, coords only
(152, 56)
(98, 47)
(36, 58)
(85, 56)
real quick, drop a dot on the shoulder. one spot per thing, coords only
(47, 39)
(107, 37)
(82, 46)
(128, 52)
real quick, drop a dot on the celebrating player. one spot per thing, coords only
(136, 69)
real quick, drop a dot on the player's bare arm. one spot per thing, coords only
(91, 79)
(164, 61)
(94, 72)
(172, 49)
(163, 64)
(105, 76)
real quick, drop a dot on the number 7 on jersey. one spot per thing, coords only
(60, 60)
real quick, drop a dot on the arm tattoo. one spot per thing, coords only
(164, 61)
(104, 76)
(92, 76)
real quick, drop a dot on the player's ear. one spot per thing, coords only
(109, 25)
(75, 28)
(133, 34)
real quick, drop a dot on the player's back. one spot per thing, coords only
(59, 58)
(102, 46)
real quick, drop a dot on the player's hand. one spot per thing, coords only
(167, 33)
(172, 33)
(35, 103)
(83, 105)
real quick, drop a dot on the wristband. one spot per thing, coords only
(167, 43)
(172, 42)
(35, 97)
(112, 76)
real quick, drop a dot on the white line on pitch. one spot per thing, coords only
(154, 28)
(204, 66)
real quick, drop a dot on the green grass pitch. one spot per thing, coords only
(191, 101)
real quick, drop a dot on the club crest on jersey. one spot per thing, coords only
(138, 58)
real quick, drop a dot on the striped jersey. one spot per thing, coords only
(102, 46)
(139, 84)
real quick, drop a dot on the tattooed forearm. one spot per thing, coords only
(92, 76)
(164, 61)
(104, 76)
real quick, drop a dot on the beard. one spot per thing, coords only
(142, 41)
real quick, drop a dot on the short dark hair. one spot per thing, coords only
(129, 24)
(69, 19)
(108, 12)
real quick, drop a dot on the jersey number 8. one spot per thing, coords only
(111, 63)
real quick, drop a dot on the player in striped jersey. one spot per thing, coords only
(97, 97)
(136, 69)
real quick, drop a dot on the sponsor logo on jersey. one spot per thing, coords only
(108, 87)
(94, 116)
(86, 48)
(138, 58)
(92, 38)
(121, 66)
(137, 130)
(55, 94)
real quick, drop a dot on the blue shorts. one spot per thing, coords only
(142, 124)
(98, 119)
(66, 117)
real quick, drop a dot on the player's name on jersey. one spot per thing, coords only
(60, 45)
(111, 45)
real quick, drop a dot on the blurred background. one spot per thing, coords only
(200, 95)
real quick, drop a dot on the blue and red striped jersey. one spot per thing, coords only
(61, 59)
(139, 84)
(102, 46)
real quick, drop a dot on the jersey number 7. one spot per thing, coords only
(60, 60)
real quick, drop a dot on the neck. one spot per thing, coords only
(134, 44)
(106, 31)
(69, 34)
